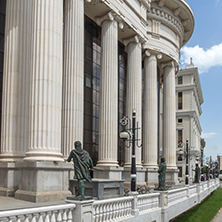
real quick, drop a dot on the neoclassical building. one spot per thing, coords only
(189, 99)
(70, 70)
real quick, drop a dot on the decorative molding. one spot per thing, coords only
(161, 3)
(177, 11)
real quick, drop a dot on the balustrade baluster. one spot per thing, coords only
(11, 218)
(40, 217)
(111, 211)
(33, 217)
(108, 211)
(47, 217)
(27, 218)
(97, 213)
(104, 212)
(19, 218)
(53, 216)
(64, 216)
(101, 213)
(70, 215)
(59, 216)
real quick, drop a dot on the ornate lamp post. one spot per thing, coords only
(129, 135)
(185, 154)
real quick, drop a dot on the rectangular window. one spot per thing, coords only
(179, 120)
(180, 80)
(180, 100)
(180, 136)
(180, 171)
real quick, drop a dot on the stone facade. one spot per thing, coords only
(72, 69)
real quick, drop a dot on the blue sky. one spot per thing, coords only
(205, 47)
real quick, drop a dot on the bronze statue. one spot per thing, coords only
(207, 173)
(162, 175)
(197, 174)
(82, 163)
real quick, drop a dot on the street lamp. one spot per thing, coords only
(185, 154)
(129, 135)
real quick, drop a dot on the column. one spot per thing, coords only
(150, 114)
(46, 81)
(169, 115)
(108, 113)
(73, 75)
(134, 93)
(14, 136)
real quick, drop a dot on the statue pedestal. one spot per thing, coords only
(99, 188)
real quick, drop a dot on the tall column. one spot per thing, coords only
(14, 136)
(150, 114)
(169, 115)
(134, 93)
(46, 81)
(108, 113)
(73, 75)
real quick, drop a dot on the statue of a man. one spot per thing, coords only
(207, 173)
(197, 174)
(162, 175)
(82, 163)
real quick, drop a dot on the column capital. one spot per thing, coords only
(134, 39)
(110, 16)
(148, 53)
(171, 64)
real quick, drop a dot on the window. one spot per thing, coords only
(180, 80)
(179, 120)
(180, 136)
(180, 100)
(180, 171)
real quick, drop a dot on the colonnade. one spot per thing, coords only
(43, 103)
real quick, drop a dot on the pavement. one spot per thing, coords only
(218, 217)
(10, 203)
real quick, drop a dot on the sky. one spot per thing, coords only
(205, 48)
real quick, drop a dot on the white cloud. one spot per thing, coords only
(208, 135)
(203, 59)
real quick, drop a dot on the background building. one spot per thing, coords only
(71, 70)
(189, 100)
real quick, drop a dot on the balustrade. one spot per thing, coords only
(112, 209)
(148, 201)
(58, 213)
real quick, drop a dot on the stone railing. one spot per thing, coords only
(177, 194)
(60, 213)
(161, 206)
(192, 190)
(112, 209)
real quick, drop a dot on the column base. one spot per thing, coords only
(9, 175)
(152, 177)
(172, 176)
(140, 176)
(43, 181)
(112, 173)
